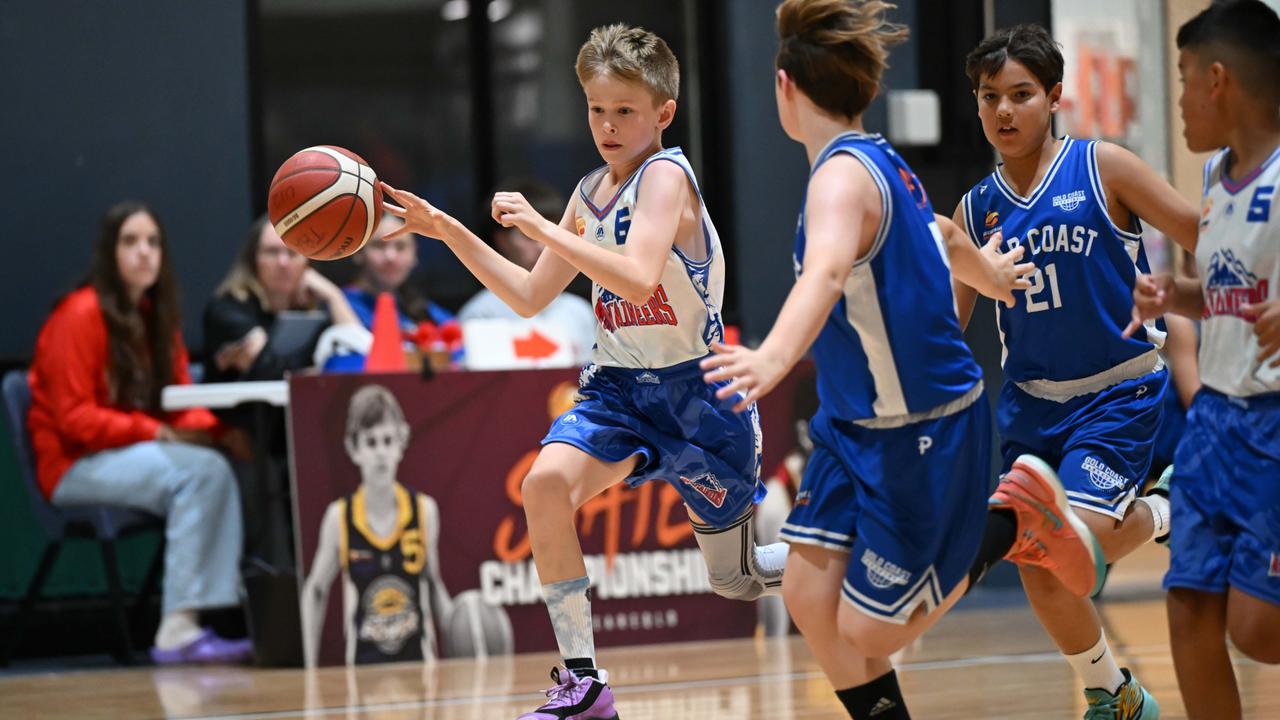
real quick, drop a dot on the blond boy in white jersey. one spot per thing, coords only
(1224, 574)
(637, 227)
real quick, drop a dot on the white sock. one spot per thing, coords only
(1097, 667)
(177, 628)
(1159, 506)
(569, 604)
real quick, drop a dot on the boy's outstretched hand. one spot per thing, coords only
(1008, 273)
(750, 372)
(419, 216)
(1266, 325)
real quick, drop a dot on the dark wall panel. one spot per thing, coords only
(107, 101)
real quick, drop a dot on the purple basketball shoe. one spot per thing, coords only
(574, 698)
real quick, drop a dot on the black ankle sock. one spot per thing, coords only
(997, 538)
(880, 699)
(582, 667)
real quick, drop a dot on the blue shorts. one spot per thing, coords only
(909, 504)
(1225, 497)
(1100, 443)
(684, 435)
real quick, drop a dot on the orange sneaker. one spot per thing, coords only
(1049, 533)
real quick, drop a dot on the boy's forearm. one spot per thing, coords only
(1188, 300)
(969, 266)
(508, 281)
(613, 271)
(801, 318)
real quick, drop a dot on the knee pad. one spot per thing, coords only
(731, 561)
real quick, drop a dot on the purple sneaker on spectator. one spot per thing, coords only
(574, 698)
(206, 649)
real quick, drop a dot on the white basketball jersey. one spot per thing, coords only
(682, 317)
(1238, 255)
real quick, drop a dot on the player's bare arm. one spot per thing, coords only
(635, 273)
(1155, 295)
(525, 291)
(991, 272)
(315, 590)
(966, 296)
(440, 597)
(841, 196)
(1181, 349)
(1147, 195)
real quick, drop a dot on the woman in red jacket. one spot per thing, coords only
(100, 435)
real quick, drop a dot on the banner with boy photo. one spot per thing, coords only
(471, 437)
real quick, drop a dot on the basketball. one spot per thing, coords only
(324, 202)
(475, 628)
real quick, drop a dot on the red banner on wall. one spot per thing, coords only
(472, 438)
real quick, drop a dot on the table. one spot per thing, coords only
(225, 395)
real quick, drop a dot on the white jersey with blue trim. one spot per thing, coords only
(892, 347)
(1063, 338)
(682, 318)
(1238, 255)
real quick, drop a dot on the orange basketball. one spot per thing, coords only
(325, 201)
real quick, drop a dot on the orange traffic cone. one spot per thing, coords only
(387, 352)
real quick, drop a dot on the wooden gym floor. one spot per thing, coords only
(993, 662)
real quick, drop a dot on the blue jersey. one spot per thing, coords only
(1063, 338)
(892, 345)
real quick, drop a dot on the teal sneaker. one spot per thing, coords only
(1131, 702)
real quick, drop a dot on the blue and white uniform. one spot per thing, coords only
(643, 392)
(1225, 491)
(900, 469)
(1076, 393)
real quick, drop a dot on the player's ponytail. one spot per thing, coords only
(836, 50)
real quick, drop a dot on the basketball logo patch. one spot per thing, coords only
(1103, 477)
(882, 573)
(993, 219)
(1273, 570)
(1068, 202)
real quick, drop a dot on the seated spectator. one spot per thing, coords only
(101, 437)
(385, 266)
(266, 279)
(567, 311)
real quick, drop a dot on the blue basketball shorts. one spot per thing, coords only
(1100, 443)
(683, 434)
(908, 503)
(1225, 497)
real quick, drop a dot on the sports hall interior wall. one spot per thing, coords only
(190, 106)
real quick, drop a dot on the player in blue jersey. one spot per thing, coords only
(1077, 393)
(638, 228)
(1224, 568)
(890, 511)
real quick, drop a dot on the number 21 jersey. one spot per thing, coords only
(1063, 337)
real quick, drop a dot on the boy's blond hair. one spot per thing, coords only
(632, 54)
